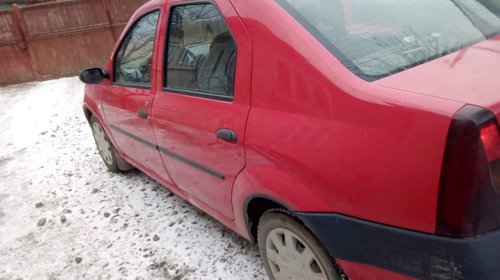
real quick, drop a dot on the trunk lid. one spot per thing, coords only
(471, 75)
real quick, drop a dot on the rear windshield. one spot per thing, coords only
(377, 38)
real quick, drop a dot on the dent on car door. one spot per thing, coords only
(202, 107)
(127, 102)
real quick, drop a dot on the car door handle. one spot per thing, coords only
(142, 113)
(227, 135)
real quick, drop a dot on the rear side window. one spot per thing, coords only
(377, 38)
(134, 57)
(201, 54)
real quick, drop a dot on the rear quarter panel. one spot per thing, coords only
(319, 139)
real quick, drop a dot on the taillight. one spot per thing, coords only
(491, 143)
(469, 195)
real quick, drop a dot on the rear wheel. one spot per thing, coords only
(106, 149)
(290, 251)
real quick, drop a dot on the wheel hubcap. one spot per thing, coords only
(102, 143)
(290, 258)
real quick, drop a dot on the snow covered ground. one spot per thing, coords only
(63, 216)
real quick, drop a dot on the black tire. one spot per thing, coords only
(108, 155)
(299, 261)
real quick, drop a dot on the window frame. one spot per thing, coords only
(195, 93)
(122, 41)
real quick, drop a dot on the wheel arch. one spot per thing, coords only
(255, 206)
(123, 165)
(89, 110)
(259, 188)
(88, 114)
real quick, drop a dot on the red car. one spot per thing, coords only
(348, 138)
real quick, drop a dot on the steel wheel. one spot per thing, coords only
(290, 258)
(105, 147)
(102, 143)
(290, 251)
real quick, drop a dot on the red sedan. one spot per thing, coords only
(348, 138)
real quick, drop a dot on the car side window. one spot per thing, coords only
(134, 57)
(201, 54)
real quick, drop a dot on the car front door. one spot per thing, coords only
(127, 101)
(202, 104)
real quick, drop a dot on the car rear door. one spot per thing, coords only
(202, 104)
(127, 101)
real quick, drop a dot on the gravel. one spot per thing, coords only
(64, 216)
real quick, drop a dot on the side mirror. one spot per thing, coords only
(93, 76)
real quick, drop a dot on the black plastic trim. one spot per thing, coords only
(192, 163)
(87, 113)
(201, 94)
(130, 135)
(169, 153)
(415, 254)
(132, 85)
(228, 135)
(248, 222)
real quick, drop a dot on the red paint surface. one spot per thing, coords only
(469, 76)
(357, 271)
(312, 135)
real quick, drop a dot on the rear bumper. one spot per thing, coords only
(414, 254)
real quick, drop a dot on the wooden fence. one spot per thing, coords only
(57, 39)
